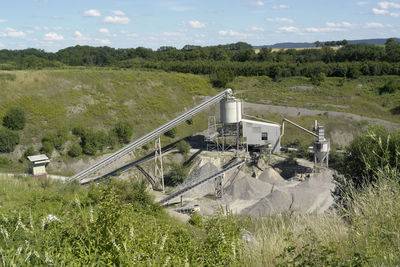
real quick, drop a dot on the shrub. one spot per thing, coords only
(183, 147)
(373, 149)
(47, 148)
(56, 138)
(176, 175)
(221, 78)
(89, 143)
(171, 133)
(8, 140)
(30, 151)
(14, 119)
(75, 150)
(317, 79)
(124, 132)
(102, 139)
(390, 87)
(4, 161)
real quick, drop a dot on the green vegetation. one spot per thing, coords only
(116, 223)
(8, 140)
(75, 150)
(183, 147)
(373, 150)
(123, 131)
(14, 119)
(176, 175)
(43, 222)
(171, 133)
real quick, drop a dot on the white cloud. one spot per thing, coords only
(172, 34)
(373, 25)
(386, 5)
(3, 20)
(340, 24)
(362, 3)
(231, 33)
(117, 20)
(52, 36)
(118, 12)
(104, 30)
(196, 24)
(324, 29)
(289, 29)
(57, 28)
(78, 34)
(2, 45)
(10, 32)
(379, 11)
(255, 28)
(92, 13)
(102, 41)
(280, 20)
(257, 3)
(280, 7)
(396, 15)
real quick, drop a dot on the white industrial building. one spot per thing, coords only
(259, 133)
(38, 165)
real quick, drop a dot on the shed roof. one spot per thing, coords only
(39, 158)
(262, 123)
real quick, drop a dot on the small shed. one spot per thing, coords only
(38, 165)
(262, 134)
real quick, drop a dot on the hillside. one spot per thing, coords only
(309, 45)
(99, 98)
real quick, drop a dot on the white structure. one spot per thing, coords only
(231, 110)
(262, 134)
(38, 165)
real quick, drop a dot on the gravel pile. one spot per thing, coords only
(311, 196)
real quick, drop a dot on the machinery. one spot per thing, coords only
(155, 134)
(321, 146)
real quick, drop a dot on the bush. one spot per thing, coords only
(221, 78)
(176, 175)
(390, 87)
(30, 151)
(47, 148)
(14, 119)
(89, 143)
(317, 79)
(56, 138)
(183, 147)
(124, 132)
(75, 150)
(4, 161)
(171, 133)
(8, 140)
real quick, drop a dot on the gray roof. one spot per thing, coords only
(39, 158)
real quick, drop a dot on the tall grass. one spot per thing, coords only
(366, 232)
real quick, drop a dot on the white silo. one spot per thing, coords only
(231, 110)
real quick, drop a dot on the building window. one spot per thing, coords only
(264, 136)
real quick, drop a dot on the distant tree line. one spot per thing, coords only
(349, 60)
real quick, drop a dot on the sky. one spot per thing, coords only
(55, 24)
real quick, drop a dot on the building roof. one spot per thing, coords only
(262, 123)
(39, 159)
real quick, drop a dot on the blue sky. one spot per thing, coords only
(55, 24)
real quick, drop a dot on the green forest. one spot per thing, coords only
(223, 61)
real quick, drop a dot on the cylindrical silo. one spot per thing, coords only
(231, 110)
